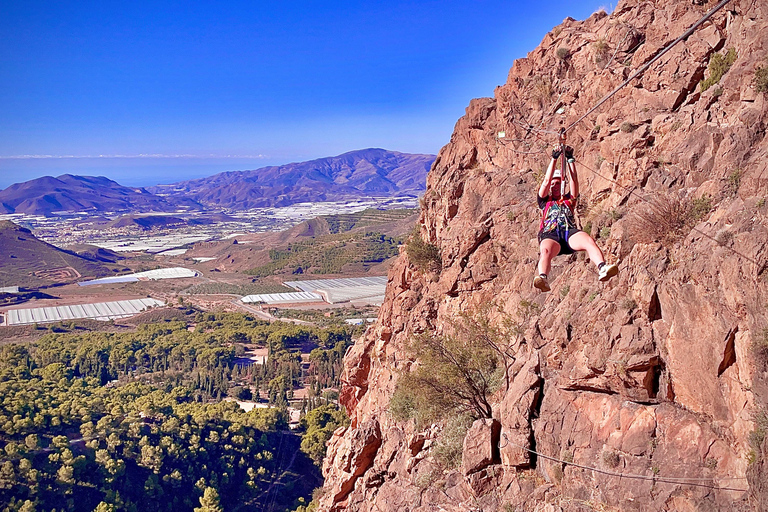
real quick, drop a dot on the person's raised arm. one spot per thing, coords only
(544, 188)
(574, 180)
(571, 165)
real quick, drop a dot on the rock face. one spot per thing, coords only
(636, 394)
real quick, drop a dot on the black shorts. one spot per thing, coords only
(561, 237)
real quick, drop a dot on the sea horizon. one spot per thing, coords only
(135, 171)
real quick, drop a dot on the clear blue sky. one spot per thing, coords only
(166, 91)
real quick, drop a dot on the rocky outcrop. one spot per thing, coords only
(637, 394)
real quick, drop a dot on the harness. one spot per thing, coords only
(561, 214)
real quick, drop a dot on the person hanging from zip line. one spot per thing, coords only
(558, 233)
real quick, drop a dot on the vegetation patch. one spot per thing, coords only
(601, 52)
(719, 65)
(666, 218)
(458, 371)
(318, 426)
(341, 223)
(629, 304)
(761, 79)
(760, 348)
(424, 255)
(733, 182)
(757, 436)
(135, 421)
(542, 90)
(611, 459)
(450, 446)
(328, 254)
(627, 127)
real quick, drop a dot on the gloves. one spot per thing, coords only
(568, 153)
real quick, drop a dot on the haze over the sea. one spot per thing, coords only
(157, 92)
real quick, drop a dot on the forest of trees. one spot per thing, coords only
(135, 421)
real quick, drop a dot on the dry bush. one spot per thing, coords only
(627, 127)
(542, 91)
(666, 218)
(760, 348)
(601, 52)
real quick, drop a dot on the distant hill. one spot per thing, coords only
(363, 173)
(330, 244)
(148, 222)
(366, 172)
(43, 196)
(95, 253)
(28, 262)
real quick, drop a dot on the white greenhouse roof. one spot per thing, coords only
(167, 273)
(346, 294)
(283, 298)
(95, 311)
(9, 289)
(325, 284)
(160, 273)
(376, 300)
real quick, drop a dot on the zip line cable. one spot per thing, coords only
(648, 64)
(669, 480)
(529, 128)
(648, 201)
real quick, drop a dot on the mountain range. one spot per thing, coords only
(356, 174)
(46, 195)
(366, 172)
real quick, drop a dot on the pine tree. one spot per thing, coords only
(210, 501)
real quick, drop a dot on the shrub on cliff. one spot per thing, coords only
(719, 65)
(761, 79)
(459, 369)
(666, 219)
(424, 255)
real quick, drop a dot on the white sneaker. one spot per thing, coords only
(607, 271)
(541, 283)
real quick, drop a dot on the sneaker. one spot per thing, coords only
(541, 283)
(607, 271)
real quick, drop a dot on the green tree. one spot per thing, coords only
(209, 501)
(319, 425)
(27, 506)
(457, 371)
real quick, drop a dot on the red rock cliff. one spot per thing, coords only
(653, 374)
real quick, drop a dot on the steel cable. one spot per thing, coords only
(648, 64)
(654, 478)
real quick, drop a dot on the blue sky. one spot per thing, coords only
(156, 92)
